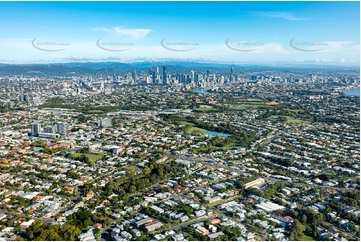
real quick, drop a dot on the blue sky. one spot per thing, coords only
(234, 32)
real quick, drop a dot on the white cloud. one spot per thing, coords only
(281, 15)
(273, 48)
(340, 46)
(125, 32)
(322, 60)
(20, 50)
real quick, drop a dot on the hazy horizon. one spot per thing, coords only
(251, 33)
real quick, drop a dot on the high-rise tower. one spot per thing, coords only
(164, 75)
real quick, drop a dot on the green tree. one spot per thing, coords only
(70, 232)
(297, 231)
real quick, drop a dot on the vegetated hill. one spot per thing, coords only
(110, 68)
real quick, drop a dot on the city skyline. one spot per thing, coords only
(180, 121)
(233, 32)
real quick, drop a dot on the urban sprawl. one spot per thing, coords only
(155, 154)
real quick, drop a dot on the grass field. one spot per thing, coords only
(254, 100)
(213, 204)
(307, 238)
(95, 111)
(290, 120)
(295, 110)
(229, 146)
(250, 104)
(92, 157)
(272, 103)
(241, 106)
(206, 108)
(191, 127)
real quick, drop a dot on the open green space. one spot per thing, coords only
(228, 146)
(224, 146)
(287, 119)
(95, 111)
(190, 127)
(226, 143)
(272, 103)
(295, 110)
(206, 108)
(250, 104)
(241, 106)
(92, 157)
(307, 238)
(254, 100)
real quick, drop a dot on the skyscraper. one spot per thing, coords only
(154, 77)
(35, 129)
(134, 75)
(102, 85)
(164, 75)
(231, 75)
(61, 128)
(157, 77)
(49, 129)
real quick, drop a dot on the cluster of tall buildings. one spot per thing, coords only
(193, 78)
(155, 77)
(52, 131)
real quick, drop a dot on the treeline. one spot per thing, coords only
(268, 192)
(306, 223)
(222, 127)
(338, 120)
(59, 103)
(221, 144)
(301, 114)
(352, 198)
(309, 92)
(53, 150)
(306, 116)
(243, 138)
(82, 158)
(46, 232)
(272, 189)
(132, 183)
(281, 161)
(69, 231)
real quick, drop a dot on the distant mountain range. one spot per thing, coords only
(111, 68)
